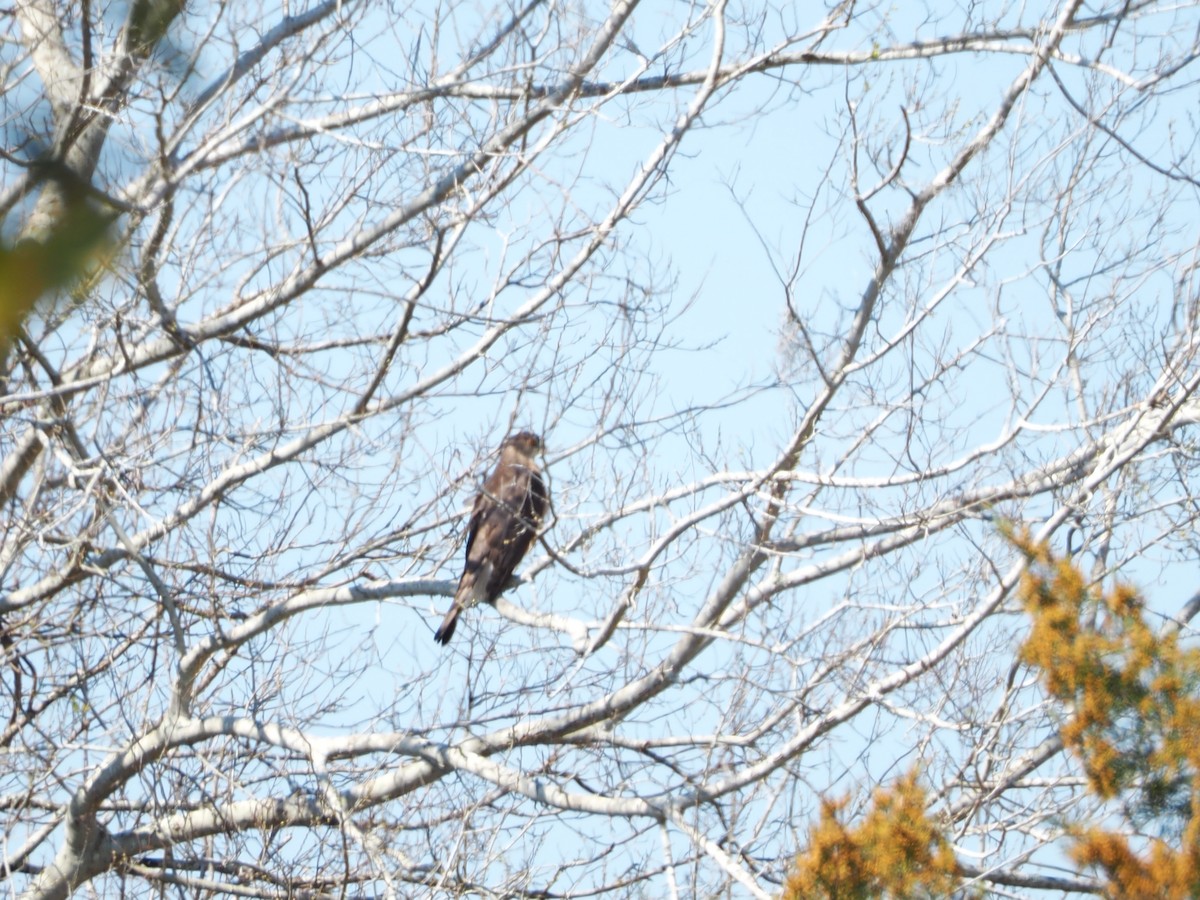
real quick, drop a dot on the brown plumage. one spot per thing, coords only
(504, 522)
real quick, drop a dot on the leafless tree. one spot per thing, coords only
(351, 245)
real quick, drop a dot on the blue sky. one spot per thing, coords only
(692, 290)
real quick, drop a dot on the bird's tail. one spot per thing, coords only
(446, 631)
(472, 588)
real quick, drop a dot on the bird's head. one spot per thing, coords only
(524, 442)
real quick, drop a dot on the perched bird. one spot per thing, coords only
(504, 522)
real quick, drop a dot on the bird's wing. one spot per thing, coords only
(508, 526)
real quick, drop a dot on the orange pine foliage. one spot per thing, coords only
(895, 852)
(1161, 871)
(1133, 696)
